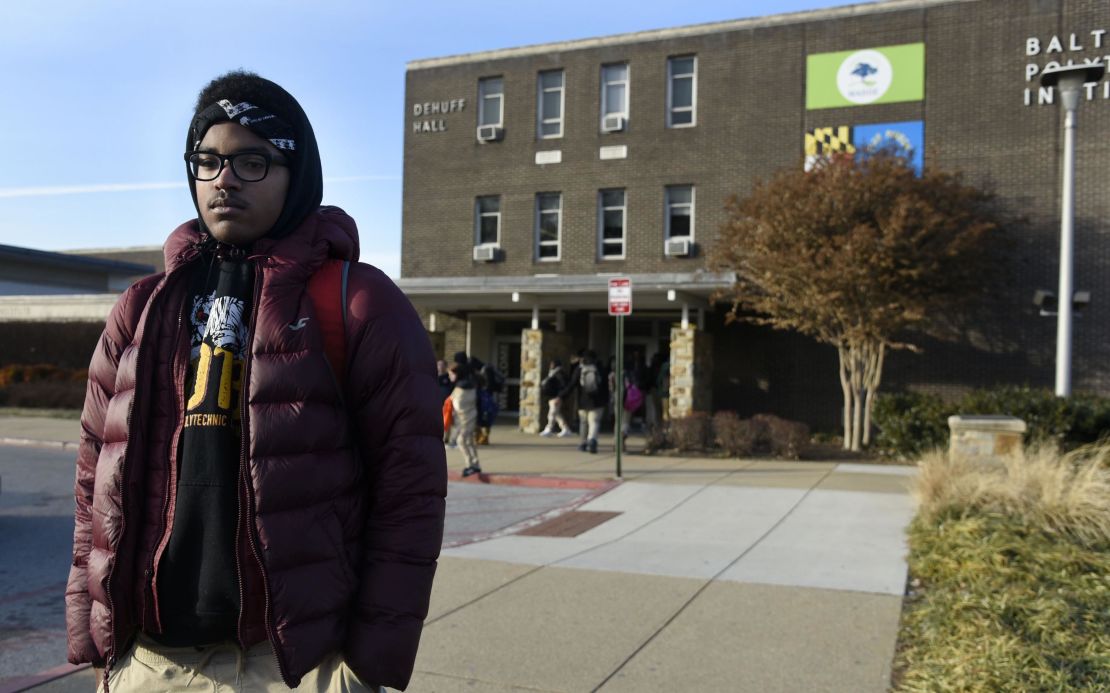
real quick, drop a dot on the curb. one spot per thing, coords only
(22, 683)
(531, 481)
(30, 442)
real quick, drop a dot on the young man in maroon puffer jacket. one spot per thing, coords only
(248, 513)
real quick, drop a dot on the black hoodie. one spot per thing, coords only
(306, 178)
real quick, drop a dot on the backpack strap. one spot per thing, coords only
(325, 285)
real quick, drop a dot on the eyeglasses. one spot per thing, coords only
(249, 167)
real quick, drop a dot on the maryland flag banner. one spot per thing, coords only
(823, 142)
(906, 138)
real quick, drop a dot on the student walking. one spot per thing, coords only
(550, 388)
(589, 382)
(464, 401)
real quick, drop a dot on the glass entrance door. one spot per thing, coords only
(506, 352)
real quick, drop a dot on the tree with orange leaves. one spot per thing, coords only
(856, 253)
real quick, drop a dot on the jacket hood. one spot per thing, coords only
(268, 100)
(327, 232)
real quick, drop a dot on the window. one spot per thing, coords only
(549, 109)
(614, 95)
(611, 215)
(680, 211)
(682, 91)
(487, 220)
(549, 216)
(490, 98)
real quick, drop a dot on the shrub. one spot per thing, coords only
(910, 424)
(1061, 493)
(1009, 564)
(786, 438)
(736, 436)
(1046, 416)
(778, 436)
(657, 438)
(691, 432)
(50, 394)
(42, 386)
(1069, 422)
(40, 372)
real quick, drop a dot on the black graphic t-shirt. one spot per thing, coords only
(198, 586)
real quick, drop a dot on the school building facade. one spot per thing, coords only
(534, 174)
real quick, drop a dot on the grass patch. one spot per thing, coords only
(70, 414)
(1010, 575)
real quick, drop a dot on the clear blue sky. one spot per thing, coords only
(96, 96)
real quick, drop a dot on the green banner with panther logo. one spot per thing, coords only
(890, 74)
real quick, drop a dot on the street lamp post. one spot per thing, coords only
(1069, 83)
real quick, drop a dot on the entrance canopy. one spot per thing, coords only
(566, 292)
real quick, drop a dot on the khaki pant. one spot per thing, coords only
(589, 423)
(555, 416)
(151, 668)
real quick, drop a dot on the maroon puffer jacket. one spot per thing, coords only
(343, 487)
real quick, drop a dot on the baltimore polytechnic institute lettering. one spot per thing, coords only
(1095, 44)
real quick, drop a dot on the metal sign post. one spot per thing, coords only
(620, 305)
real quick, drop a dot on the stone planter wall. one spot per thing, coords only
(985, 438)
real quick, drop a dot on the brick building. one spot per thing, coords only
(532, 174)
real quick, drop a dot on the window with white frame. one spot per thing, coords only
(487, 220)
(611, 221)
(490, 100)
(680, 211)
(549, 107)
(549, 221)
(614, 95)
(682, 91)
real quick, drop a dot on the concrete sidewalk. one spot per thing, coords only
(708, 575)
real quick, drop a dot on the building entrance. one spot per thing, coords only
(506, 353)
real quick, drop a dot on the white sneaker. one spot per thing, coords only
(565, 433)
(546, 433)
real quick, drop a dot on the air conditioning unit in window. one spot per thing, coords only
(677, 247)
(490, 133)
(613, 123)
(486, 253)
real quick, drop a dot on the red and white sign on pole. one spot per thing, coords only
(620, 296)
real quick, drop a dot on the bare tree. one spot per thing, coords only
(855, 253)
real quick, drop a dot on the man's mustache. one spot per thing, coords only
(227, 201)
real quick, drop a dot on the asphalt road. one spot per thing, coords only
(36, 535)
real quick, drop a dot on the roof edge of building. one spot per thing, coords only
(118, 249)
(854, 10)
(61, 259)
(557, 283)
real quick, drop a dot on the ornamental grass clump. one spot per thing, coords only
(1010, 568)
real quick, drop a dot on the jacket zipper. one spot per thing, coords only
(111, 655)
(169, 497)
(244, 471)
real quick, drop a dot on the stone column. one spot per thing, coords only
(691, 371)
(439, 344)
(537, 349)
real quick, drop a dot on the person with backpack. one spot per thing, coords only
(589, 382)
(550, 388)
(261, 479)
(630, 400)
(465, 412)
(489, 382)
